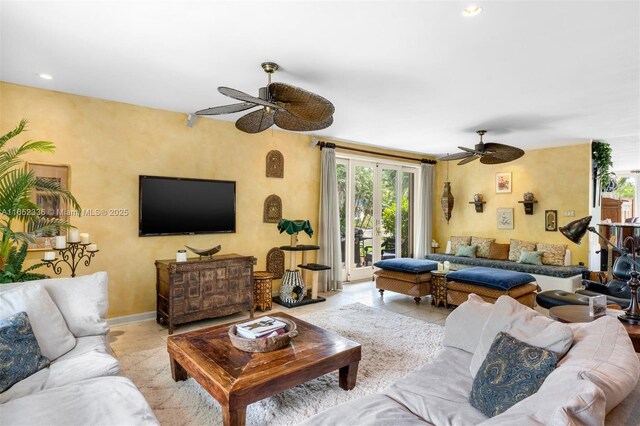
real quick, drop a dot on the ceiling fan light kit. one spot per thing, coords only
(488, 153)
(286, 106)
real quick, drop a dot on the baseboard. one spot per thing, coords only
(130, 319)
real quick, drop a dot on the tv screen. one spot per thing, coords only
(178, 206)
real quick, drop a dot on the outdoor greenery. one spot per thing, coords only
(601, 155)
(626, 188)
(18, 187)
(363, 207)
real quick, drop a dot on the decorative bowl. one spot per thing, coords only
(264, 344)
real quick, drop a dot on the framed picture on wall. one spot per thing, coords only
(49, 207)
(505, 218)
(551, 220)
(503, 183)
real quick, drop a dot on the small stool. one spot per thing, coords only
(409, 283)
(262, 290)
(315, 268)
(489, 284)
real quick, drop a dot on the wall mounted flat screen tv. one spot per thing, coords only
(179, 206)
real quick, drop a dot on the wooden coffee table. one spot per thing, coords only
(580, 313)
(236, 378)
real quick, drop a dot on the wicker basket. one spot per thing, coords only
(265, 344)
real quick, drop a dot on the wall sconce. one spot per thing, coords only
(72, 252)
(529, 201)
(477, 200)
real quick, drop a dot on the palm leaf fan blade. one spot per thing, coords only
(287, 121)
(255, 122)
(226, 109)
(301, 103)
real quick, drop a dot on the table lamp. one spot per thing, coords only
(577, 229)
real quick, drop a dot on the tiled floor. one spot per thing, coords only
(144, 335)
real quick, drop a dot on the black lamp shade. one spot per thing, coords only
(575, 230)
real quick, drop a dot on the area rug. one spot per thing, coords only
(393, 345)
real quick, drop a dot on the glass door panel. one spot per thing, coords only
(387, 231)
(363, 221)
(406, 220)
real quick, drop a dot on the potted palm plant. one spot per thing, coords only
(17, 189)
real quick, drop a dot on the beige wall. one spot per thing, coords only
(558, 177)
(108, 145)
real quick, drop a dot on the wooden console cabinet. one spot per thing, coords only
(203, 288)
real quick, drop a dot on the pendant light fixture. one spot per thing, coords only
(447, 198)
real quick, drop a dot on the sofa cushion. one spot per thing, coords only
(465, 250)
(372, 409)
(405, 264)
(605, 356)
(464, 325)
(47, 322)
(20, 355)
(498, 279)
(83, 302)
(553, 254)
(516, 246)
(530, 257)
(439, 391)
(101, 401)
(524, 324)
(90, 358)
(484, 245)
(457, 240)
(499, 251)
(511, 372)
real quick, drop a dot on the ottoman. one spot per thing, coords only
(489, 284)
(405, 276)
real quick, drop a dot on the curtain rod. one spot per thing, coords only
(321, 145)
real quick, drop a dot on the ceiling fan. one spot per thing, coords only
(286, 106)
(488, 153)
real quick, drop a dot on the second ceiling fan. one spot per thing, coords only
(488, 153)
(286, 106)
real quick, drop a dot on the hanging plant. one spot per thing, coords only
(601, 155)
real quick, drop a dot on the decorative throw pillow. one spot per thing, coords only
(456, 241)
(553, 254)
(511, 372)
(466, 251)
(20, 354)
(499, 251)
(516, 246)
(530, 257)
(484, 244)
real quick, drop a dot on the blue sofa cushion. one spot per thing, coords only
(498, 279)
(20, 354)
(511, 372)
(406, 264)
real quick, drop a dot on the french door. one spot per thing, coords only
(376, 214)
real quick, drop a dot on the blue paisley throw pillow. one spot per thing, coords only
(512, 371)
(20, 354)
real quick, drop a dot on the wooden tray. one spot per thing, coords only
(265, 344)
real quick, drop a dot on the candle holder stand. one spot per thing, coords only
(72, 255)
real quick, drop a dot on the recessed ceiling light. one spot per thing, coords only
(472, 10)
(45, 76)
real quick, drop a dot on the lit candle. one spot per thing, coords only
(92, 247)
(74, 236)
(49, 255)
(84, 238)
(61, 242)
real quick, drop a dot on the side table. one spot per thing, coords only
(262, 290)
(580, 313)
(439, 288)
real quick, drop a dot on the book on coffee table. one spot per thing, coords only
(261, 327)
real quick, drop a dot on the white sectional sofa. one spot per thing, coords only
(599, 371)
(81, 386)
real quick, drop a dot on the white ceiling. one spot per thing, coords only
(415, 76)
